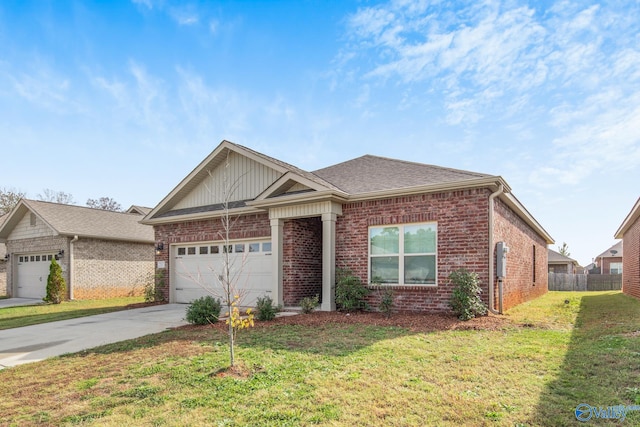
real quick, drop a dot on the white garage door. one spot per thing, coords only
(33, 271)
(197, 268)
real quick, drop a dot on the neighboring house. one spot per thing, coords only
(559, 263)
(103, 254)
(610, 261)
(589, 267)
(404, 225)
(629, 232)
(3, 263)
(140, 210)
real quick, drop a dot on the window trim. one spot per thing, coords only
(401, 254)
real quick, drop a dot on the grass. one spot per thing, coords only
(14, 317)
(534, 372)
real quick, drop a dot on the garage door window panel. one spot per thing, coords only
(248, 264)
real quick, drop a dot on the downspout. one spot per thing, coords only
(71, 265)
(492, 309)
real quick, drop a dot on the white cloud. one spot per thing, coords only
(214, 25)
(568, 72)
(42, 86)
(184, 16)
(146, 3)
(141, 99)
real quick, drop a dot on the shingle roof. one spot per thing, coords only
(558, 257)
(73, 220)
(296, 170)
(617, 248)
(141, 210)
(372, 173)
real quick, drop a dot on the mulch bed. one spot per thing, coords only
(415, 322)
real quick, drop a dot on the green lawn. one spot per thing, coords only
(532, 372)
(14, 317)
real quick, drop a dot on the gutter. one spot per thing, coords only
(71, 265)
(492, 309)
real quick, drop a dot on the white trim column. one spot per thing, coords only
(328, 262)
(276, 252)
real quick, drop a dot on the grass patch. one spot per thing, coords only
(533, 373)
(15, 317)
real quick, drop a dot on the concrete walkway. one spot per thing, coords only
(38, 342)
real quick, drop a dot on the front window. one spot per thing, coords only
(403, 254)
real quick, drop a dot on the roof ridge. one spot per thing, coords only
(373, 156)
(72, 206)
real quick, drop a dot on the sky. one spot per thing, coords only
(123, 99)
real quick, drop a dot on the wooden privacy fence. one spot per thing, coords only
(584, 282)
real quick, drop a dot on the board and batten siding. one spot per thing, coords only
(248, 178)
(297, 187)
(24, 229)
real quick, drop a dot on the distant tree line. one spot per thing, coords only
(9, 198)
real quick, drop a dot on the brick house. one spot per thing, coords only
(390, 222)
(629, 232)
(559, 263)
(103, 254)
(610, 261)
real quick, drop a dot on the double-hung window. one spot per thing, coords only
(403, 254)
(615, 268)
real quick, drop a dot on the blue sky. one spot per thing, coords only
(124, 99)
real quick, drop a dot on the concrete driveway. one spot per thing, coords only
(15, 302)
(38, 342)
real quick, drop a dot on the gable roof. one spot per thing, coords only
(139, 210)
(201, 172)
(631, 218)
(70, 220)
(617, 248)
(366, 177)
(369, 174)
(557, 258)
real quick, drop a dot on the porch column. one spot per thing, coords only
(276, 253)
(328, 262)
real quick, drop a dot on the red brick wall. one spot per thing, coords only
(302, 265)
(245, 227)
(462, 218)
(606, 263)
(631, 260)
(519, 285)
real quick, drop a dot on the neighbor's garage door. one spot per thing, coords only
(197, 268)
(33, 271)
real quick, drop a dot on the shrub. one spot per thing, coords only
(308, 304)
(265, 309)
(350, 292)
(204, 310)
(386, 302)
(465, 300)
(152, 293)
(56, 286)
